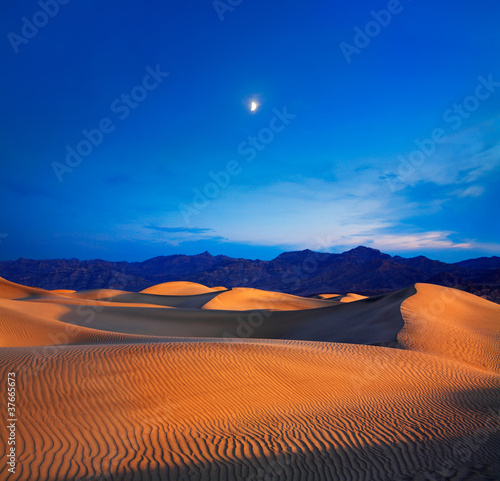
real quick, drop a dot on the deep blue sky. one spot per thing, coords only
(341, 170)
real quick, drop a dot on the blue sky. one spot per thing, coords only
(126, 130)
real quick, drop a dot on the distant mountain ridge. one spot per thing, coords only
(362, 269)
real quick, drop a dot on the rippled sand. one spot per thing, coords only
(182, 385)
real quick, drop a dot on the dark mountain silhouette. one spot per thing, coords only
(481, 263)
(363, 270)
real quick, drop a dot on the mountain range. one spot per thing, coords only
(363, 270)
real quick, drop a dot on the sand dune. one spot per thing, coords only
(97, 294)
(100, 397)
(180, 288)
(328, 296)
(193, 301)
(244, 299)
(453, 324)
(26, 326)
(11, 290)
(349, 297)
(371, 321)
(285, 409)
(92, 302)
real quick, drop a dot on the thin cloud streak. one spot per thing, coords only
(189, 230)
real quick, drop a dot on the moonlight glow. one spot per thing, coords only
(253, 106)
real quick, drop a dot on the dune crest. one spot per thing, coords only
(11, 290)
(180, 288)
(63, 291)
(452, 324)
(37, 327)
(245, 299)
(349, 297)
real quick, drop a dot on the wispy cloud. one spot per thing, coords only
(472, 191)
(330, 215)
(414, 242)
(463, 158)
(176, 230)
(157, 234)
(354, 207)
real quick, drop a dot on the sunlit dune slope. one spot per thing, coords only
(11, 290)
(453, 324)
(350, 297)
(180, 288)
(63, 291)
(244, 299)
(246, 410)
(29, 324)
(328, 296)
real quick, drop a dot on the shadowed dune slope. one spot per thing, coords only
(194, 301)
(244, 299)
(375, 320)
(371, 321)
(89, 302)
(453, 324)
(97, 294)
(237, 410)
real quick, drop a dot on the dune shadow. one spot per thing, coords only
(372, 321)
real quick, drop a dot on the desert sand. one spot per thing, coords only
(180, 288)
(246, 299)
(185, 382)
(349, 297)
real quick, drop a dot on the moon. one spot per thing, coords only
(253, 106)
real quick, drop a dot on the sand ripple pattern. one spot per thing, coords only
(452, 324)
(196, 410)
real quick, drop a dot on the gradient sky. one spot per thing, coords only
(330, 159)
